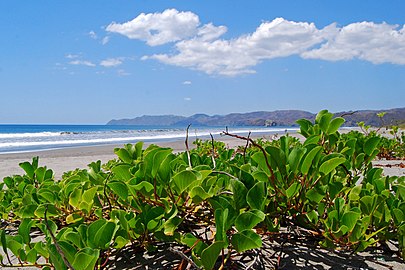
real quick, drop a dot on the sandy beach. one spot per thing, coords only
(67, 159)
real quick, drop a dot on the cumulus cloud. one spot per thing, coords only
(200, 47)
(187, 98)
(158, 28)
(82, 63)
(187, 82)
(111, 62)
(278, 38)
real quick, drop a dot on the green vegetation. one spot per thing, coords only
(325, 184)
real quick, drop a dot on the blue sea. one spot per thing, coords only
(27, 138)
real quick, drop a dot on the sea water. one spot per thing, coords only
(26, 138)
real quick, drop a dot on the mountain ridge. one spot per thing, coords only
(393, 116)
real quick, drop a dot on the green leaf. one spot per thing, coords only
(28, 211)
(305, 127)
(28, 168)
(246, 240)
(158, 159)
(75, 197)
(349, 219)
(354, 194)
(314, 196)
(86, 259)
(210, 255)
(122, 172)
(68, 250)
(171, 225)
(144, 187)
(324, 120)
(398, 216)
(256, 196)
(331, 164)
(32, 256)
(308, 160)
(14, 246)
(119, 188)
(221, 220)
(248, 220)
(183, 179)
(123, 155)
(293, 190)
(3, 241)
(239, 192)
(73, 218)
(192, 241)
(25, 229)
(198, 194)
(88, 195)
(370, 145)
(278, 158)
(335, 125)
(41, 249)
(261, 162)
(295, 157)
(165, 170)
(92, 230)
(105, 235)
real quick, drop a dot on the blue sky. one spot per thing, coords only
(92, 61)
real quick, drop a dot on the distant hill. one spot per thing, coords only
(149, 120)
(263, 118)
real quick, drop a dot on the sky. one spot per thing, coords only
(87, 62)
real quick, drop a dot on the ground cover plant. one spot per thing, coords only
(212, 201)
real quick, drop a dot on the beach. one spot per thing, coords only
(70, 158)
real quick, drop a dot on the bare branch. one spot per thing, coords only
(60, 251)
(187, 148)
(213, 151)
(272, 175)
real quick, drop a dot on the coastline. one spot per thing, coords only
(70, 158)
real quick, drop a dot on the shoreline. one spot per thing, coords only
(70, 158)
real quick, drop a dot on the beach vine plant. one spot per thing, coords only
(211, 201)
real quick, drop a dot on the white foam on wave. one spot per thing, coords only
(29, 135)
(94, 141)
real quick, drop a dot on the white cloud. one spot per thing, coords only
(187, 99)
(82, 63)
(72, 56)
(92, 35)
(111, 62)
(376, 43)
(210, 31)
(105, 40)
(122, 72)
(278, 38)
(200, 47)
(158, 28)
(187, 82)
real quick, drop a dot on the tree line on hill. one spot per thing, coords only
(264, 118)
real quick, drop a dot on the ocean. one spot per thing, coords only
(28, 138)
